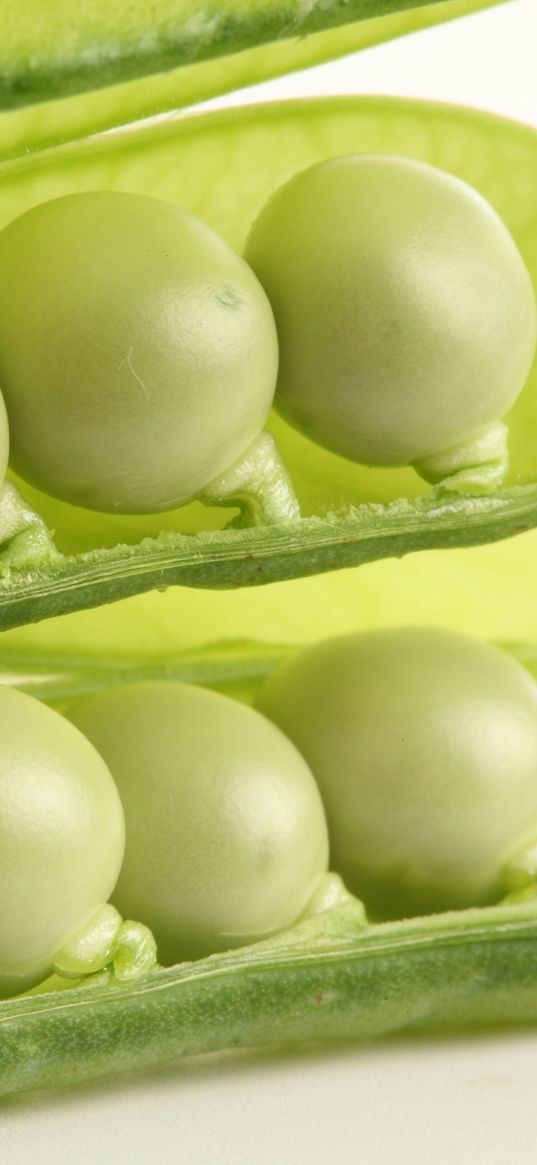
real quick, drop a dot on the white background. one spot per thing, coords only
(462, 1101)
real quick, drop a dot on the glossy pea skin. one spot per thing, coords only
(61, 837)
(424, 746)
(406, 317)
(226, 834)
(138, 353)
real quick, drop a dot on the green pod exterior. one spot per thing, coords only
(470, 970)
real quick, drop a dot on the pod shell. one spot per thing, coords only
(4, 440)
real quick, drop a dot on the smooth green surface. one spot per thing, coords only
(61, 837)
(406, 319)
(226, 835)
(424, 746)
(138, 352)
(200, 163)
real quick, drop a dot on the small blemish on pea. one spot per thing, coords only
(229, 298)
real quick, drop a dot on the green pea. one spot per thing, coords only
(406, 317)
(61, 837)
(424, 746)
(138, 352)
(226, 834)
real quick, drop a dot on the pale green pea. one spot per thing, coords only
(138, 352)
(406, 317)
(61, 837)
(226, 834)
(424, 746)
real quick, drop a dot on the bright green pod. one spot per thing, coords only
(424, 746)
(406, 317)
(4, 440)
(226, 834)
(61, 837)
(138, 353)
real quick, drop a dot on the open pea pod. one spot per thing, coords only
(221, 167)
(152, 59)
(332, 975)
(321, 980)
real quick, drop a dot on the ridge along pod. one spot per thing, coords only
(138, 352)
(226, 834)
(61, 837)
(424, 746)
(4, 440)
(406, 317)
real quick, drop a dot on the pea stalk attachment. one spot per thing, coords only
(259, 485)
(107, 941)
(24, 538)
(329, 977)
(472, 467)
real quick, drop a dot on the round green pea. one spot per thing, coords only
(226, 834)
(406, 317)
(424, 746)
(61, 837)
(138, 352)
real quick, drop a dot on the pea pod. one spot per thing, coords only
(43, 59)
(325, 980)
(350, 516)
(330, 976)
(380, 979)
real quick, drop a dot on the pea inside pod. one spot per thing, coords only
(138, 352)
(424, 746)
(406, 317)
(61, 837)
(226, 834)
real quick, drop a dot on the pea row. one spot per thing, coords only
(382, 305)
(407, 755)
